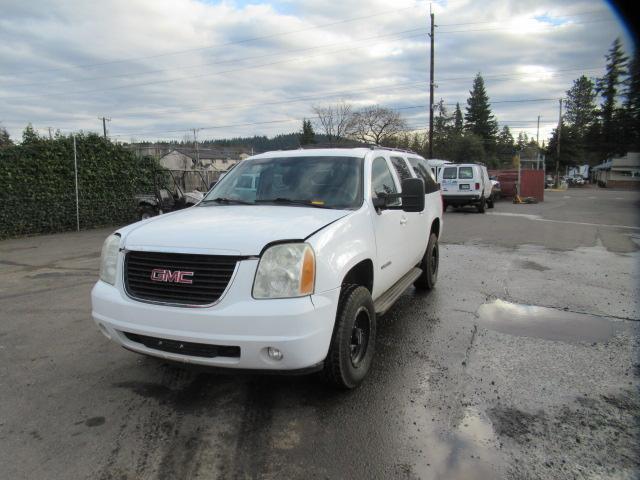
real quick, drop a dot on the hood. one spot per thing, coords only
(226, 229)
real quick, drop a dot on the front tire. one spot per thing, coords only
(353, 342)
(147, 212)
(429, 265)
(490, 201)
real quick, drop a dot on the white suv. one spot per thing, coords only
(287, 275)
(466, 184)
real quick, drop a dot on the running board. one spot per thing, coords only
(388, 298)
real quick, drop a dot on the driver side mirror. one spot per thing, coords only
(412, 195)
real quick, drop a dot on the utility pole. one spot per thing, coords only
(538, 145)
(104, 125)
(50, 135)
(558, 146)
(195, 139)
(431, 86)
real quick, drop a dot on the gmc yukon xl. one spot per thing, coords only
(288, 271)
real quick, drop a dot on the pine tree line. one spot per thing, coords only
(592, 132)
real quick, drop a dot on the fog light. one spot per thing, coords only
(274, 353)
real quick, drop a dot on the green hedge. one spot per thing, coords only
(37, 185)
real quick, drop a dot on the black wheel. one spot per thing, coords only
(481, 205)
(147, 212)
(353, 342)
(429, 265)
(490, 202)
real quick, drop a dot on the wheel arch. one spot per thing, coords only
(435, 227)
(360, 274)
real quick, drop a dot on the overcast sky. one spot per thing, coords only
(159, 68)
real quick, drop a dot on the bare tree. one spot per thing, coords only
(376, 124)
(334, 121)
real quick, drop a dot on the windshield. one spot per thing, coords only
(325, 182)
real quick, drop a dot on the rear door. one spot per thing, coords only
(449, 180)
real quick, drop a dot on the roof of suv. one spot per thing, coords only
(334, 152)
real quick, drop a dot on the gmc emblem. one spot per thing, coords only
(177, 276)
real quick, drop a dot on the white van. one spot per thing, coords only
(466, 184)
(436, 165)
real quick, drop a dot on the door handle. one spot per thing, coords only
(403, 220)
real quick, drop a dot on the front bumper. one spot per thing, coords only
(300, 328)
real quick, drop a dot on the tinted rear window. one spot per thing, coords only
(450, 173)
(465, 173)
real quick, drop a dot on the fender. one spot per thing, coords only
(340, 246)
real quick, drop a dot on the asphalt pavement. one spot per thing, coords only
(523, 363)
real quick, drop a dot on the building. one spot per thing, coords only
(619, 172)
(219, 160)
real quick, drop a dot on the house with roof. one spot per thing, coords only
(619, 172)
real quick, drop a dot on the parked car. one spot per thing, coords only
(169, 193)
(549, 181)
(496, 189)
(466, 184)
(288, 277)
(575, 181)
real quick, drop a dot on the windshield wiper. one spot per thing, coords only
(291, 201)
(227, 201)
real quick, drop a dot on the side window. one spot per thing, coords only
(401, 168)
(381, 178)
(421, 168)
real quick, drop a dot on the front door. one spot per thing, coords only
(389, 229)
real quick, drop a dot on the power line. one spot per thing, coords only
(170, 80)
(575, 14)
(220, 62)
(544, 27)
(226, 44)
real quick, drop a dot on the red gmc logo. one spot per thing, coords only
(178, 276)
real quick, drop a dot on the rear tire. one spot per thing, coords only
(429, 265)
(481, 205)
(353, 342)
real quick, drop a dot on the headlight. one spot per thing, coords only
(286, 270)
(109, 259)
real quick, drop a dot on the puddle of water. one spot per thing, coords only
(468, 449)
(543, 322)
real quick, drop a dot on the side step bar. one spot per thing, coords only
(388, 298)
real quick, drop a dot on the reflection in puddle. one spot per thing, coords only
(468, 450)
(543, 322)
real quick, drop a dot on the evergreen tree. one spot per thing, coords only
(5, 140)
(609, 89)
(505, 147)
(458, 123)
(632, 104)
(580, 116)
(580, 106)
(478, 117)
(307, 136)
(29, 135)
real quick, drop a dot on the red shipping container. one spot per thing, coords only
(532, 184)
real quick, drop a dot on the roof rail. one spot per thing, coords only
(348, 144)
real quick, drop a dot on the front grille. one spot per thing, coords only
(209, 276)
(185, 348)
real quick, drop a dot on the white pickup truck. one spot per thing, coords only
(285, 272)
